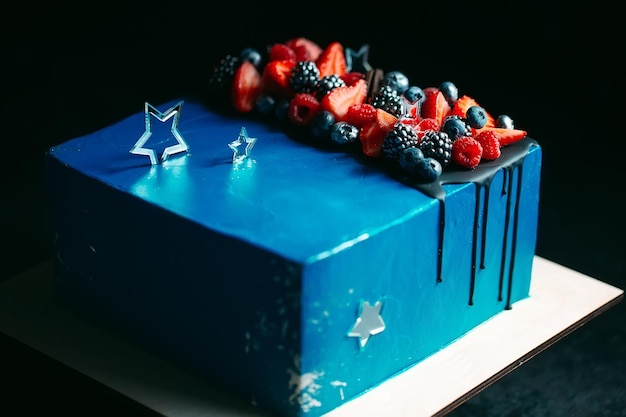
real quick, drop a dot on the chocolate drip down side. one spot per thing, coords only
(511, 160)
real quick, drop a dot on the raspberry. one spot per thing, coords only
(491, 145)
(467, 152)
(359, 114)
(280, 51)
(302, 108)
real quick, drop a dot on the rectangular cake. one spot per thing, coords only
(295, 273)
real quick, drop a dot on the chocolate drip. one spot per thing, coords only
(515, 228)
(512, 156)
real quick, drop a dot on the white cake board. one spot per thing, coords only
(561, 301)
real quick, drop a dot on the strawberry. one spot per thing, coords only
(360, 114)
(276, 76)
(305, 49)
(332, 60)
(467, 152)
(350, 78)
(339, 100)
(465, 102)
(246, 87)
(373, 134)
(302, 108)
(505, 136)
(488, 139)
(435, 105)
(280, 52)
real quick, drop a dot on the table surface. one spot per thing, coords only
(561, 300)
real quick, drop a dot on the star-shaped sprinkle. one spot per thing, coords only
(242, 146)
(356, 61)
(368, 323)
(171, 113)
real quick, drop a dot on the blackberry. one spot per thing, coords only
(437, 145)
(223, 72)
(328, 83)
(456, 127)
(388, 99)
(304, 77)
(398, 139)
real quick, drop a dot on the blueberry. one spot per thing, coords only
(476, 117)
(321, 124)
(252, 55)
(265, 104)
(455, 127)
(505, 121)
(281, 110)
(396, 80)
(343, 132)
(449, 91)
(410, 160)
(414, 95)
(430, 169)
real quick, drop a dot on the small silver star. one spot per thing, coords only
(151, 111)
(368, 323)
(356, 61)
(242, 141)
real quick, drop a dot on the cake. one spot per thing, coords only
(302, 231)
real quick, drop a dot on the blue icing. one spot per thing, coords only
(258, 278)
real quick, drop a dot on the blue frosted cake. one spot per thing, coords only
(307, 229)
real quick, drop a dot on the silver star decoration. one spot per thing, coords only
(150, 112)
(242, 146)
(368, 323)
(356, 61)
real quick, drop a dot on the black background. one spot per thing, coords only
(71, 68)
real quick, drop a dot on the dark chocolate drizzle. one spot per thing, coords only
(511, 159)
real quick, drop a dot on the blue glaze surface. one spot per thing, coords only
(253, 274)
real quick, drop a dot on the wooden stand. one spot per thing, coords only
(561, 301)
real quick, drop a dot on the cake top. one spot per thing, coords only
(334, 96)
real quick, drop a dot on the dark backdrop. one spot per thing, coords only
(71, 68)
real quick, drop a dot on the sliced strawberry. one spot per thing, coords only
(488, 139)
(306, 49)
(505, 136)
(435, 105)
(276, 76)
(339, 100)
(332, 60)
(465, 102)
(360, 114)
(350, 78)
(281, 52)
(373, 134)
(246, 87)
(302, 108)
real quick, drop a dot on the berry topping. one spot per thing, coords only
(302, 108)
(398, 139)
(413, 161)
(450, 92)
(360, 114)
(305, 49)
(388, 99)
(414, 95)
(463, 104)
(507, 136)
(276, 76)
(281, 52)
(467, 152)
(476, 117)
(437, 145)
(328, 83)
(246, 87)
(343, 132)
(339, 100)
(505, 121)
(456, 127)
(396, 80)
(373, 134)
(321, 124)
(332, 60)
(304, 77)
(488, 139)
(435, 105)
(222, 74)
